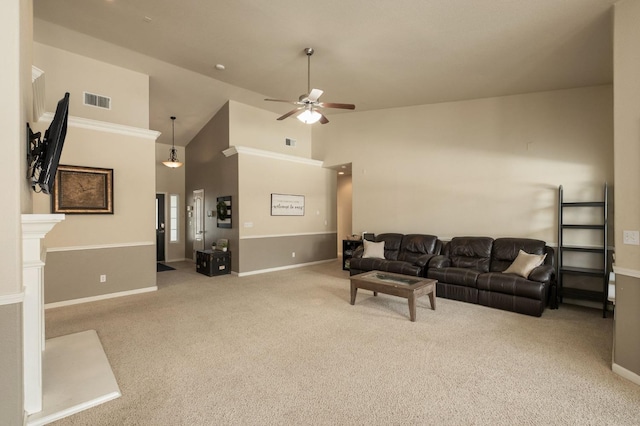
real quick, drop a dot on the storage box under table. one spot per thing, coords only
(213, 262)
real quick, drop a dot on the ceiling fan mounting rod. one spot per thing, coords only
(309, 51)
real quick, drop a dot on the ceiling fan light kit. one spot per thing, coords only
(309, 104)
(309, 116)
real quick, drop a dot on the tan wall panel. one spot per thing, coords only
(73, 73)
(258, 128)
(70, 275)
(344, 218)
(627, 317)
(11, 388)
(627, 132)
(259, 177)
(133, 162)
(266, 253)
(479, 167)
(626, 68)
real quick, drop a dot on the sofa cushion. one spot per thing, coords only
(368, 264)
(457, 276)
(414, 246)
(511, 284)
(505, 251)
(471, 252)
(524, 264)
(400, 267)
(373, 249)
(391, 244)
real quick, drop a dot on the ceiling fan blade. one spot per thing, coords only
(335, 105)
(314, 95)
(290, 113)
(323, 119)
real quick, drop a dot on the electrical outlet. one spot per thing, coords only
(103, 278)
(631, 238)
(293, 254)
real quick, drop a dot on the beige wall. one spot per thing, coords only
(258, 128)
(131, 153)
(171, 181)
(259, 177)
(69, 72)
(133, 162)
(15, 82)
(626, 65)
(479, 167)
(251, 179)
(207, 168)
(310, 237)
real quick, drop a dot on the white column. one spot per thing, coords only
(34, 228)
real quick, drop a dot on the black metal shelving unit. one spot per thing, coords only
(348, 247)
(564, 269)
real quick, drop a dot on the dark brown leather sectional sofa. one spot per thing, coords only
(470, 269)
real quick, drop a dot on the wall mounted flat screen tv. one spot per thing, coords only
(44, 155)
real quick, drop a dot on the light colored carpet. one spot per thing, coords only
(288, 348)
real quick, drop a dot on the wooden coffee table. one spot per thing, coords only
(396, 285)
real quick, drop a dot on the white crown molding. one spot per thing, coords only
(626, 272)
(233, 150)
(103, 126)
(100, 246)
(10, 299)
(301, 234)
(35, 73)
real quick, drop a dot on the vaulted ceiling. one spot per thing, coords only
(375, 53)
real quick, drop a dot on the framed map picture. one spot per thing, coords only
(82, 190)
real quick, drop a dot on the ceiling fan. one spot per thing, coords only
(309, 103)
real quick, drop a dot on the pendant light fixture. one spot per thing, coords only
(173, 161)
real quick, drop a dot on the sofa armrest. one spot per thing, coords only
(439, 261)
(424, 259)
(357, 253)
(542, 274)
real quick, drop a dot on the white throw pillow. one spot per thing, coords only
(375, 250)
(525, 263)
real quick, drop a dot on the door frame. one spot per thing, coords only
(164, 194)
(196, 245)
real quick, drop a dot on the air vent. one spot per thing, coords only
(98, 101)
(290, 142)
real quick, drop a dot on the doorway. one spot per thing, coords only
(198, 222)
(160, 228)
(344, 194)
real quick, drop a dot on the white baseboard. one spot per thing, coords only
(629, 375)
(176, 260)
(101, 297)
(282, 268)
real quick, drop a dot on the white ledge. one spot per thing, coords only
(10, 299)
(233, 150)
(626, 272)
(103, 126)
(100, 246)
(299, 234)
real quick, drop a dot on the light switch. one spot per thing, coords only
(631, 238)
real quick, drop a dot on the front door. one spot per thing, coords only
(160, 234)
